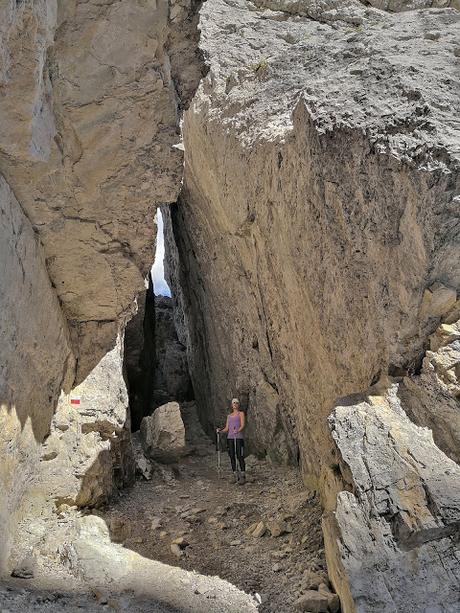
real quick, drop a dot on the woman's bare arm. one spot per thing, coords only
(242, 421)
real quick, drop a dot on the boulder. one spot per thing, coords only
(400, 503)
(258, 530)
(313, 602)
(431, 397)
(163, 433)
(25, 569)
(88, 453)
(277, 528)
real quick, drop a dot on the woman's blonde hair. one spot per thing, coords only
(235, 400)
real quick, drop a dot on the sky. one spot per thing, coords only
(160, 287)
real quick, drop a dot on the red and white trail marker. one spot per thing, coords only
(75, 400)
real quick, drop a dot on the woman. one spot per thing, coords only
(234, 427)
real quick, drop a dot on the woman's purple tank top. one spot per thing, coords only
(234, 422)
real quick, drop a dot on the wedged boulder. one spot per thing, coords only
(392, 541)
(163, 433)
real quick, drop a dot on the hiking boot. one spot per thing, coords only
(242, 480)
(234, 478)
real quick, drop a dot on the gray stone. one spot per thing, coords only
(163, 433)
(25, 569)
(405, 506)
(306, 128)
(330, 273)
(431, 397)
(313, 602)
(93, 456)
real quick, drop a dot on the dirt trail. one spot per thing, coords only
(213, 515)
(122, 557)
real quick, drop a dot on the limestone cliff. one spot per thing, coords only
(90, 106)
(319, 203)
(315, 246)
(90, 101)
(35, 359)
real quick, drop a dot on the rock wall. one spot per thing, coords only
(91, 99)
(90, 103)
(88, 453)
(315, 245)
(392, 542)
(299, 189)
(155, 361)
(36, 360)
(431, 399)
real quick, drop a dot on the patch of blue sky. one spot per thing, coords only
(160, 287)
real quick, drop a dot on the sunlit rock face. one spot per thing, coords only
(35, 359)
(91, 96)
(90, 103)
(313, 219)
(402, 506)
(315, 245)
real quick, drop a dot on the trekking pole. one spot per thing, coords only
(219, 468)
(236, 461)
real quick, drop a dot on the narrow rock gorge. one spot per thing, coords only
(305, 156)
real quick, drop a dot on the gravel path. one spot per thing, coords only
(210, 518)
(185, 541)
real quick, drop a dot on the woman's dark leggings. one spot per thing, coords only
(239, 452)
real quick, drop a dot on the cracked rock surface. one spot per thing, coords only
(404, 506)
(321, 184)
(318, 225)
(91, 96)
(90, 108)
